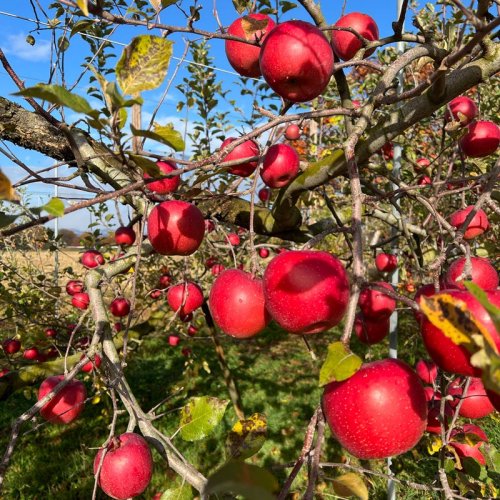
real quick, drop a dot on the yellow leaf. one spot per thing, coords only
(96, 400)
(434, 444)
(83, 6)
(6, 190)
(247, 437)
(349, 485)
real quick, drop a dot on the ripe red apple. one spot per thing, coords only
(296, 61)
(173, 340)
(434, 416)
(192, 330)
(280, 166)
(264, 252)
(210, 262)
(421, 164)
(371, 332)
(156, 294)
(233, 239)
(375, 304)
(482, 139)
(81, 300)
(92, 258)
(74, 286)
(346, 44)
(124, 236)
(11, 346)
(494, 398)
(386, 262)
(209, 225)
(237, 304)
(449, 356)
(176, 228)
(424, 180)
(247, 149)
(477, 226)
(186, 318)
(243, 57)
(217, 269)
(120, 307)
(306, 291)
(51, 333)
(91, 364)
(292, 132)
(476, 403)
(167, 185)
(483, 274)
(67, 404)
(31, 354)
(264, 194)
(165, 280)
(4, 372)
(379, 412)
(185, 297)
(463, 109)
(127, 466)
(426, 370)
(186, 352)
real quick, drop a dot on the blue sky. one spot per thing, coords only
(32, 63)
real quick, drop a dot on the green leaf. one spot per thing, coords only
(56, 94)
(146, 165)
(54, 207)
(143, 64)
(163, 134)
(242, 5)
(200, 417)
(7, 219)
(247, 437)
(350, 485)
(340, 364)
(181, 493)
(240, 478)
(482, 298)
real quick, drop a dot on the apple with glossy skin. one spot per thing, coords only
(91, 259)
(427, 370)
(91, 364)
(463, 109)
(243, 57)
(237, 304)
(11, 346)
(74, 286)
(292, 132)
(167, 185)
(483, 274)
(421, 164)
(176, 228)
(264, 194)
(81, 300)
(375, 304)
(346, 44)
(482, 139)
(247, 149)
(31, 354)
(386, 262)
(126, 468)
(477, 226)
(125, 236)
(306, 291)
(449, 356)
(120, 307)
(263, 253)
(476, 403)
(185, 298)
(379, 412)
(280, 166)
(173, 340)
(296, 61)
(51, 333)
(67, 404)
(233, 239)
(371, 332)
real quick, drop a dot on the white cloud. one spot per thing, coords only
(17, 46)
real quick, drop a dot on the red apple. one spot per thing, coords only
(296, 61)
(424, 180)
(217, 269)
(210, 262)
(477, 226)
(173, 340)
(176, 228)
(118, 327)
(11, 346)
(156, 294)
(264, 252)
(127, 466)
(184, 298)
(346, 44)
(426, 370)
(233, 239)
(167, 185)
(67, 404)
(463, 109)
(264, 194)
(387, 151)
(379, 412)
(306, 291)
(434, 423)
(4, 372)
(483, 274)
(376, 305)
(31, 354)
(124, 236)
(243, 57)
(51, 333)
(92, 258)
(74, 286)
(421, 164)
(476, 403)
(386, 262)
(371, 332)
(280, 166)
(247, 149)
(237, 304)
(120, 307)
(292, 132)
(91, 364)
(186, 352)
(81, 300)
(209, 225)
(165, 280)
(494, 398)
(192, 330)
(482, 139)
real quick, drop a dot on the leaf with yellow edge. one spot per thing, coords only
(434, 444)
(247, 437)
(340, 364)
(83, 6)
(7, 192)
(350, 485)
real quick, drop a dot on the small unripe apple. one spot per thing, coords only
(167, 185)
(376, 305)
(292, 132)
(74, 286)
(386, 262)
(120, 307)
(264, 252)
(280, 166)
(463, 109)
(426, 370)
(81, 300)
(185, 298)
(124, 236)
(477, 226)
(233, 239)
(11, 346)
(92, 258)
(371, 332)
(476, 403)
(264, 194)
(482, 139)
(173, 340)
(483, 274)
(91, 364)
(247, 149)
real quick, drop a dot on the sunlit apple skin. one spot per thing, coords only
(280, 166)
(243, 57)
(306, 291)
(296, 61)
(120, 307)
(371, 332)
(376, 305)
(247, 149)
(127, 466)
(483, 274)
(422, 164)
(11, 346)
(292, 132)
(476, 403)
(190, 293)
(237, 304)
(31, 354)
(67, 405)
(345, 44)
(125, 236)
(167, 185)
(379, 412)
(386, 263)
(449, 356)
(263, 253)
(91, 365)
(92, 258)
(426, 370)
(81, 300)
(482, 139)
(74, 286)
(477, 226)
(176, 228)
(463, 105)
